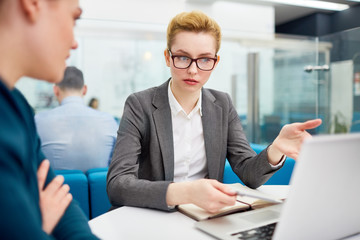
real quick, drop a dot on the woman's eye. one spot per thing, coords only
(183, 58)
(204, 60)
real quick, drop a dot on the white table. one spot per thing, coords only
(141, 223)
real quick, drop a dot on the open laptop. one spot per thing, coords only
(323, 202)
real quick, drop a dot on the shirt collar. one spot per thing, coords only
(176, 107)
(72, 99)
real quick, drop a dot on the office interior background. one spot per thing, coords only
(279, 63)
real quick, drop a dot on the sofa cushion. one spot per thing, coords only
(79, 187)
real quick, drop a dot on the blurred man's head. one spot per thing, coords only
(71, 85)
(73, 79)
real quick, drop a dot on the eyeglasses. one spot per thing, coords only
(183, 62)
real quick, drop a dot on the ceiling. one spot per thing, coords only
(286, 13)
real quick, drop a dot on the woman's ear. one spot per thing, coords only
(30, 9)
(167, 57)
(217, 61)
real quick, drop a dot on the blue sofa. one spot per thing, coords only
(281, 177)
(90, 189)
(99, 201)
(79, 187)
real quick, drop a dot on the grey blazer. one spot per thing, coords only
(142, 165)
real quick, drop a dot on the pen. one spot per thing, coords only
(259, 196)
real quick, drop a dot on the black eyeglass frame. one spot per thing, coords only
(192, 60)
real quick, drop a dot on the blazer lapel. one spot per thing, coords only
(212, 121)
(163, 125)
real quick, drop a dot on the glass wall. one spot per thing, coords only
(299, 78)
(344, 97)
(318, 78)
(296, 94)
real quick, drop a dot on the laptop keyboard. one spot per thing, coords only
(263, 232)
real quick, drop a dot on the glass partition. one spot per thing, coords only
(298, 78)
(290, 89)
(344, 97)
(312, 78)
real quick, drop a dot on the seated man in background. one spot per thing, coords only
(73, 135)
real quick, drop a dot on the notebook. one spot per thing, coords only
(247, 199)
(324, 197)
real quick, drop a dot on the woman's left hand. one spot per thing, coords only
(290, 139)
(54, 199)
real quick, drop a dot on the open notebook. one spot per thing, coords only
(243, 203)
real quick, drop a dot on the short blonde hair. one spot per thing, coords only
(194, 21)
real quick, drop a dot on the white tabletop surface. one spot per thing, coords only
(141, 223)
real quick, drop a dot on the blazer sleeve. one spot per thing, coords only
(254, 170)
(123, 184)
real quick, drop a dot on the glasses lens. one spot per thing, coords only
(205, 63)
(182, 62)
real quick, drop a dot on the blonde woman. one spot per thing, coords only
(173, 139)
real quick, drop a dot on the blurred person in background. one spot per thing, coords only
(94, 103)
(73, 135)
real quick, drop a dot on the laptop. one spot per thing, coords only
(323, 202)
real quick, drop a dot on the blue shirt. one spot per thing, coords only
(20, 157)
(74, 136)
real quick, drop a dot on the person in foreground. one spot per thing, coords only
(75, 136)
(36, 37)
(173, 139)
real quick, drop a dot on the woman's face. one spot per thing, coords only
(53, 38)
(192, 45)
(95, 104)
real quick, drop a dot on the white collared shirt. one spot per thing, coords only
(189, 146)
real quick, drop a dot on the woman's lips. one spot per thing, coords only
(191, 81)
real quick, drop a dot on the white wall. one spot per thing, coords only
(341, 96)
(235, 19)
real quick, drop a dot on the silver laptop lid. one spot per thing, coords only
(324, 199)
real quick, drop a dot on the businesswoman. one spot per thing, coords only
(36, 37)
(173, 139)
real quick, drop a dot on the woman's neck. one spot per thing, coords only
(187, 100)
(8, 81)
(9, 64)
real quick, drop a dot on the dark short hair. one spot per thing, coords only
(73, 79)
